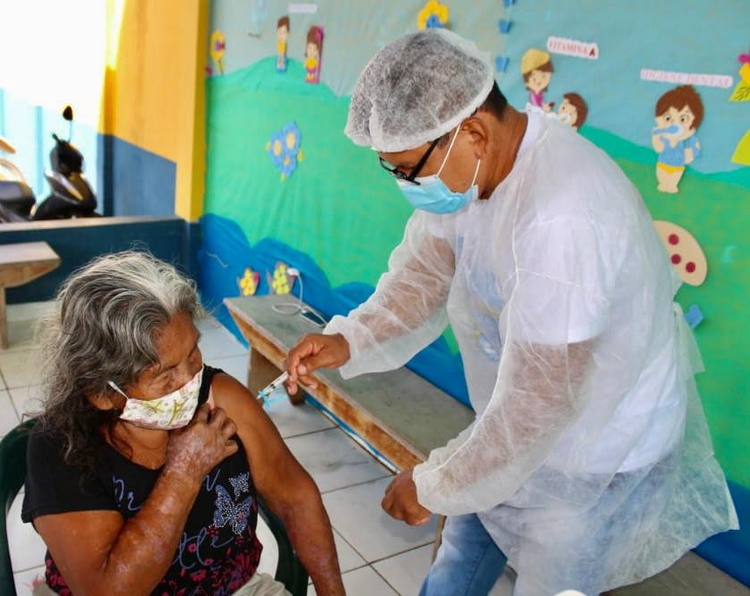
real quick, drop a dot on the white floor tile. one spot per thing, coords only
(8, 417)
(235, 366)
(405, 572)
(356, 514)
(362, 582)
(22, 335)
(207, 324)
(28, 311)
(22, 320)
(334, 460)
(26, 546)
(217, 342)
(25, 580)
(348, 557)
(20, 368)
(293, 420)
(26, 400)
(366, 582)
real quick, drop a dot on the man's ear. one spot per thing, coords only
(479, 132)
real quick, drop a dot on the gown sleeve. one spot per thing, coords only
(556, 308)
(407, 310)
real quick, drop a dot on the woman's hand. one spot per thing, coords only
(311, 352)
(199, 447)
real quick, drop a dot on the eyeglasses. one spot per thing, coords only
(415, 170)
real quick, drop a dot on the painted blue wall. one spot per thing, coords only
(77, 241)
(135, 181)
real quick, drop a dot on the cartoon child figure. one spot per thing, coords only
(573, 110)
(282, 35)
(679, 113)
(536, 69)
(313, 51)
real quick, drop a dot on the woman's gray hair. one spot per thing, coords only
(110, 312)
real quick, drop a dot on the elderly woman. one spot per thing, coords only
(145, 466)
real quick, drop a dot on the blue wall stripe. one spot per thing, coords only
(136, 181)
(77, 241)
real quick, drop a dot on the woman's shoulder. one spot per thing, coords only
(209, 372)
(48, 450)
(225, 389)
(46, 443)
(240, 405)
(54, 485)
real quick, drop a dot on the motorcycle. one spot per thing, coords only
(16, 197)
(71, 195)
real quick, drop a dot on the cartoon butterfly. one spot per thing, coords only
(227, 511)
(240, 483)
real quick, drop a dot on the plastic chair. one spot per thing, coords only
(12, 475)
(289, 570)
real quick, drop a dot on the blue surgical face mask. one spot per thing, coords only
(431, 194)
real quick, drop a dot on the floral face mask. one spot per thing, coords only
(168, 412)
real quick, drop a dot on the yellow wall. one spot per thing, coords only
(154, 87)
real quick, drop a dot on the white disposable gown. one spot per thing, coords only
(589, 462)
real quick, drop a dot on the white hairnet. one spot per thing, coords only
(416, 89)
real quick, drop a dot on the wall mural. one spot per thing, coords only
(671, 109)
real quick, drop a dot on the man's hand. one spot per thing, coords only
(314, 351)
(400, 501)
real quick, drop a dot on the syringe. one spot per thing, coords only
(266, 391)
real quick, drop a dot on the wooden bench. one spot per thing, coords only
(690, 576)
(20, 264)
(404, 417)
(400, 414)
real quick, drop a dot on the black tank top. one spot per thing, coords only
(218, 551)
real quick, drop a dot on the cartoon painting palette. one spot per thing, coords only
(684, 251)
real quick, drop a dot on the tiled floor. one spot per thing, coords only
(378, 555)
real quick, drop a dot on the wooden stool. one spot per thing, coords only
(20, 264)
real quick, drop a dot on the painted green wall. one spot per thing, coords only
(715, 209)
(339, 206)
